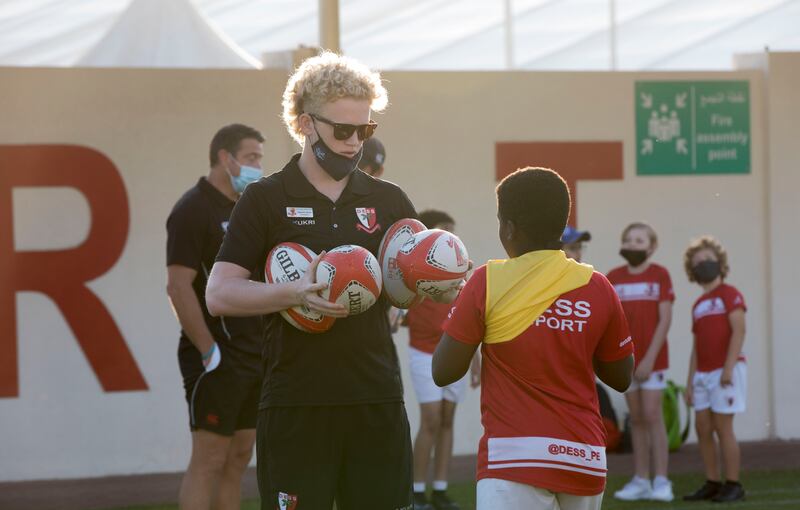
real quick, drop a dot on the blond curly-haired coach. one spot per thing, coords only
(331, 424)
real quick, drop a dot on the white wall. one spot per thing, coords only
(440, 131)
(783, 98)
(155, 126)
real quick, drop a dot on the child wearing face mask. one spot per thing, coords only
(717, 383)
(645, 290)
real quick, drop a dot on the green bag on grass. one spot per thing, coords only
(671, 402)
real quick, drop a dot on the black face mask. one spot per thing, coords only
(706, 271)
(336, 165)
(634, 257)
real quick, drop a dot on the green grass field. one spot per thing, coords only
(766, 490)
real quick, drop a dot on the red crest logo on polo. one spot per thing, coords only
(367, 218)
(287, 501)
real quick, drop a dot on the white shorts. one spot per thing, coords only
(708, 393)
(656, 381)
(494, 494)
(422, 378)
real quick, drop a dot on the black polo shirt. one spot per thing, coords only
(355, 361)
(195, 229)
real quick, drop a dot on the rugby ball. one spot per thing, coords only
(288, 262)
(396, 291)
(434, 263)
(353, 277)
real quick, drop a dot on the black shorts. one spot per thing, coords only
(357, 455)
(223, 401)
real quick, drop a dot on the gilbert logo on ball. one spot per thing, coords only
(288, 262)
(353, 277)
(433, 263)
(396, 291)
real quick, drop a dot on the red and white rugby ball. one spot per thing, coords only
(401, 231)
(353, 277)
(434, 263)
(288, 262)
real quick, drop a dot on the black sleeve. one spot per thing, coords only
(186, 233)
(407, 209)
(245, 242)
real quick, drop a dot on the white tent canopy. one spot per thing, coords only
(421, 34)
(158, 33)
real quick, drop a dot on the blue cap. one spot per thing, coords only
(573, 235)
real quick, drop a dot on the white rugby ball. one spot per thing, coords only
(288, 262)
(434, 263)
(353, 277)
(396, 236)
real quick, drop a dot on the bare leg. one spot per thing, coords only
(657, 432)
(229, 495)
(444, 441)
(639, 434)
(731, 456)
(202, 478)
(430, 423)
(707, 443)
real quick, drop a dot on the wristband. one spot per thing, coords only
(207, 355)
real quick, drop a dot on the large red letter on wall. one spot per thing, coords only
(62, 274)
(575, 161)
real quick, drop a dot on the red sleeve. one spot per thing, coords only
(466, 320)
(694, 321)
(615, 344)
(733, 300)
(667, 292)
(612, 275)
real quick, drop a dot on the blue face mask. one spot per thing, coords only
(336, 165)
(247, 174)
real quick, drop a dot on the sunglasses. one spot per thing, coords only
(345, 131)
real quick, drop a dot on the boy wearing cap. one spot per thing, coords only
(573, 240)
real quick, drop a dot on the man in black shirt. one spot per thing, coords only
(219, 357)
(332, 424)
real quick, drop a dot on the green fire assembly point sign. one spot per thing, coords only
(692, 127)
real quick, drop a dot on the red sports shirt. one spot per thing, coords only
(425, 322)
(539, 405)
(640, 295)
(711, 327)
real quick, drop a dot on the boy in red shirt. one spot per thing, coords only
(437, 405)
(645, 290)
(547, 325)
(717, 384)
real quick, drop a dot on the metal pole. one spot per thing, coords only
(509, 33)
(612, 34)
(329, 25)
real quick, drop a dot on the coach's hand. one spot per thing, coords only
(308, 293)
(449, 296)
